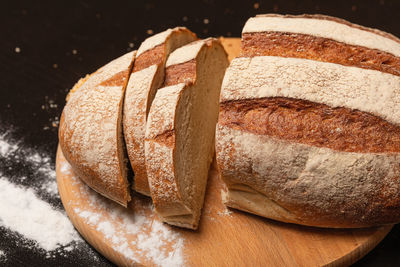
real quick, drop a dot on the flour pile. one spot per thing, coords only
(153, 240)
(24, 207)
(25, 210)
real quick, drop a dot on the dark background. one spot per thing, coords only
(46, 46)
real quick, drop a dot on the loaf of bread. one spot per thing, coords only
(146, 78)
(180, 131)
(90, 132)
(308, 130)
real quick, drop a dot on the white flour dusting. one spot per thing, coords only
(23, 212)
(41, 164)
(225, 212)
(152, 237)
(5, 147)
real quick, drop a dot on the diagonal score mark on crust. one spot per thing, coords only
(147, 77)
(91, 133)
(118, 79)
(311, 123)
(326, 27)
(335, 85)
(150, 57)
(189, 106)
(180, 73)
(166, 138)
(298, 45)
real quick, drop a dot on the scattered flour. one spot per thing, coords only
(5, 147)
(41, 164)
(23, 212)
(225, 212)
(153, 240)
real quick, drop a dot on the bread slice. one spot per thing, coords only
(146, 78)
(180, 131)
(309, 128)
(90, 132)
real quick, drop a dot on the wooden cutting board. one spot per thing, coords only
(225, 237)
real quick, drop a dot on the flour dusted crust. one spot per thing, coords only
(306, 184)
(160, 152)
(147, 77)
(321, 38)
(326, 27)
(332, 84)
(283, 172)
(90, 131)
(178, 201)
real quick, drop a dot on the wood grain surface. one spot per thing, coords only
(225, 237)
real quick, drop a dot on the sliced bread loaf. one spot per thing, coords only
(180, 131)
(90, 132)
(146, 78)
(309, 128)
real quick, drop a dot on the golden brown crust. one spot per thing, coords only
(338, 20)
(151, 57)
(166, 138)
(147, 77)
(304, 162)
(313, 124)
(317, 48)
(90, 130)
(119, 79)
(88, 175)
(172, 198)
(180, 73)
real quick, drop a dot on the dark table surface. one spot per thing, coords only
(46, 46)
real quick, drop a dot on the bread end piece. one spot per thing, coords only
(90, 132)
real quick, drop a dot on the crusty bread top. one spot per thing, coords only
(156, 40)
(106, 74)
(326, 83)
(161, 129)
(185, 53)
(147, 76)
(163, 111)
(162, 120)
(327, 27)
(89, 131)
(319, 186)
(311, 123)
(101, 77)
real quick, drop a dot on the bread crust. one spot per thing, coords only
(297, 45)
(277, 147)
(335, 19)
(147, 77)
(161, 144)
(308, 185)
(310, 123)
(165, 190)
(326, 27)
(90, 130)
(371, 91)
(180, 73)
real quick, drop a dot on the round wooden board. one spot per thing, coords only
(224, 238)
